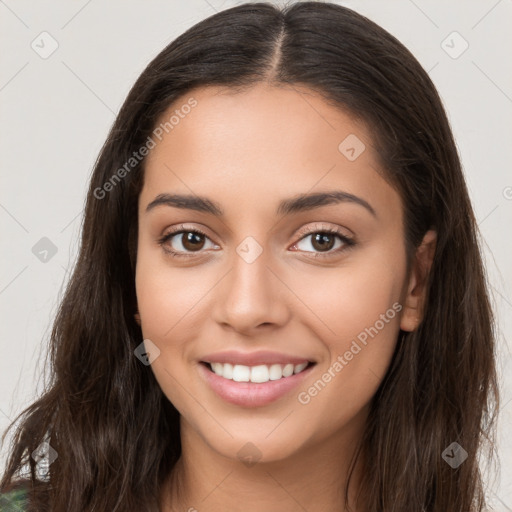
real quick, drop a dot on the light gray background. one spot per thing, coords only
(56, 111)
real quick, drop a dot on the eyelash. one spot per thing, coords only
(348, 242)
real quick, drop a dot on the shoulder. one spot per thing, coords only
(15, 500)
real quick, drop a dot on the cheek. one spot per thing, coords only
(353, 297)
(357, 315)
(168, 298)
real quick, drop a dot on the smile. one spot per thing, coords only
(253, 386)
(257, 374)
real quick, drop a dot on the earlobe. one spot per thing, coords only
(414, 301)
(137, 317)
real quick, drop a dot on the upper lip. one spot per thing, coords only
(253, 358)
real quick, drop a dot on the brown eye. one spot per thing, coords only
(184, 242)
(192, 241)
(323, 241)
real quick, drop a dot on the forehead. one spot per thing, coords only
(260, 145)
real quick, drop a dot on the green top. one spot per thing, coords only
(14, 501)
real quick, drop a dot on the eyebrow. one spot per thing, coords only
(302, 202)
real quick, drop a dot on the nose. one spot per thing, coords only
(252, 297)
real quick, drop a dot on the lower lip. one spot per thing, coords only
(251, 394)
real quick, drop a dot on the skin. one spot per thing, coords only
(247, 151)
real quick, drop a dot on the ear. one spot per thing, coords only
(414, 301)
(137, 317)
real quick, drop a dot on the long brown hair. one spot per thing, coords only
(117, 436)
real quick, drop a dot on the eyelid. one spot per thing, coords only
(322, 227)
(348, 242)
(184, 228)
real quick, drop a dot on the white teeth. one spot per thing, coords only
(288, 370)
(227, 370)
(260, 373)
(299, 367)
(241, 373)
(276, 372)
(217, 367)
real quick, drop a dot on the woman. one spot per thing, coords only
(321, 338)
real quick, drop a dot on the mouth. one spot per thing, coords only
(253, 386)
(258, 374)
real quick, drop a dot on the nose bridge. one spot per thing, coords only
(251, 294)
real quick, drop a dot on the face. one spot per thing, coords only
(262, 281)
